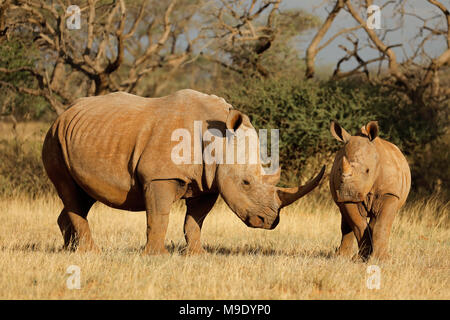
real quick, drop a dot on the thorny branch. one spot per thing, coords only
(416, 75)
(115, 48)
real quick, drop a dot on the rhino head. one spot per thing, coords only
(355, 167)
(252, 195)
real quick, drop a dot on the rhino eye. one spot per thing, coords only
(245, 182)
(367, 170)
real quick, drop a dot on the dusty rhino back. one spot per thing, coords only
(102, 140)
(99, 140)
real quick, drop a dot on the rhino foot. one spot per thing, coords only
(152, 250)
(195, 251)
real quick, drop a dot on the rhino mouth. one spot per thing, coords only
(255, 221)
(258, 221)
(275, 223)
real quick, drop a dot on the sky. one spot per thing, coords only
(409, 28)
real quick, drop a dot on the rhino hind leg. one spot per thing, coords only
(72, 220)
(75, 230)
(67, 231)
(197, 210)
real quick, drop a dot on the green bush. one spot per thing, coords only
(302, 111)
(21, 168)
(16, 53)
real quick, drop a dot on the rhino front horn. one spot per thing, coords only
(346, 167)
(289, 195)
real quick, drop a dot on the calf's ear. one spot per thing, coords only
(338, 132)
(234, 120)
(372, 130)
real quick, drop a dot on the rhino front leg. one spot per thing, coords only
(159, 196)
(346, 247)
(197, 210)
(360, 227)
(382, 225)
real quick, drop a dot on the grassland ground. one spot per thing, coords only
(294, 261)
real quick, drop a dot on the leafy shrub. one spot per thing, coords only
(302, 111)
(16, 53)
(21, 168)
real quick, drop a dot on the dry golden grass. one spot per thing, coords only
(34, 130)
(294, 261)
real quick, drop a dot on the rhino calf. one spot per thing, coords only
(370, 178)
(117, 149)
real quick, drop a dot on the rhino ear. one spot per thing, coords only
(372, 130)
(272, 179)
(234, 120)
(338, 132)
(364, 131)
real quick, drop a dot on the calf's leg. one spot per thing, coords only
(358, 224)
(382, 225)
(346, 247)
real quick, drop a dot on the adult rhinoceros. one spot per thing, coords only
(117, 149)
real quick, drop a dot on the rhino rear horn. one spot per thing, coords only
(289, 195)
(273, 178)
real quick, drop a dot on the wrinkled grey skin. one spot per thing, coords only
(370, 178)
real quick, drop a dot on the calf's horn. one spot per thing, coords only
(346, 167)
(289, 195)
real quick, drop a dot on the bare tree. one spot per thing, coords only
(142, 46)
(254, 37)
(243, 32)
(120, 43)
(418, 75)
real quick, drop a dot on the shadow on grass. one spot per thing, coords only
(253, 250)
(180, 249)
(33, 247)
